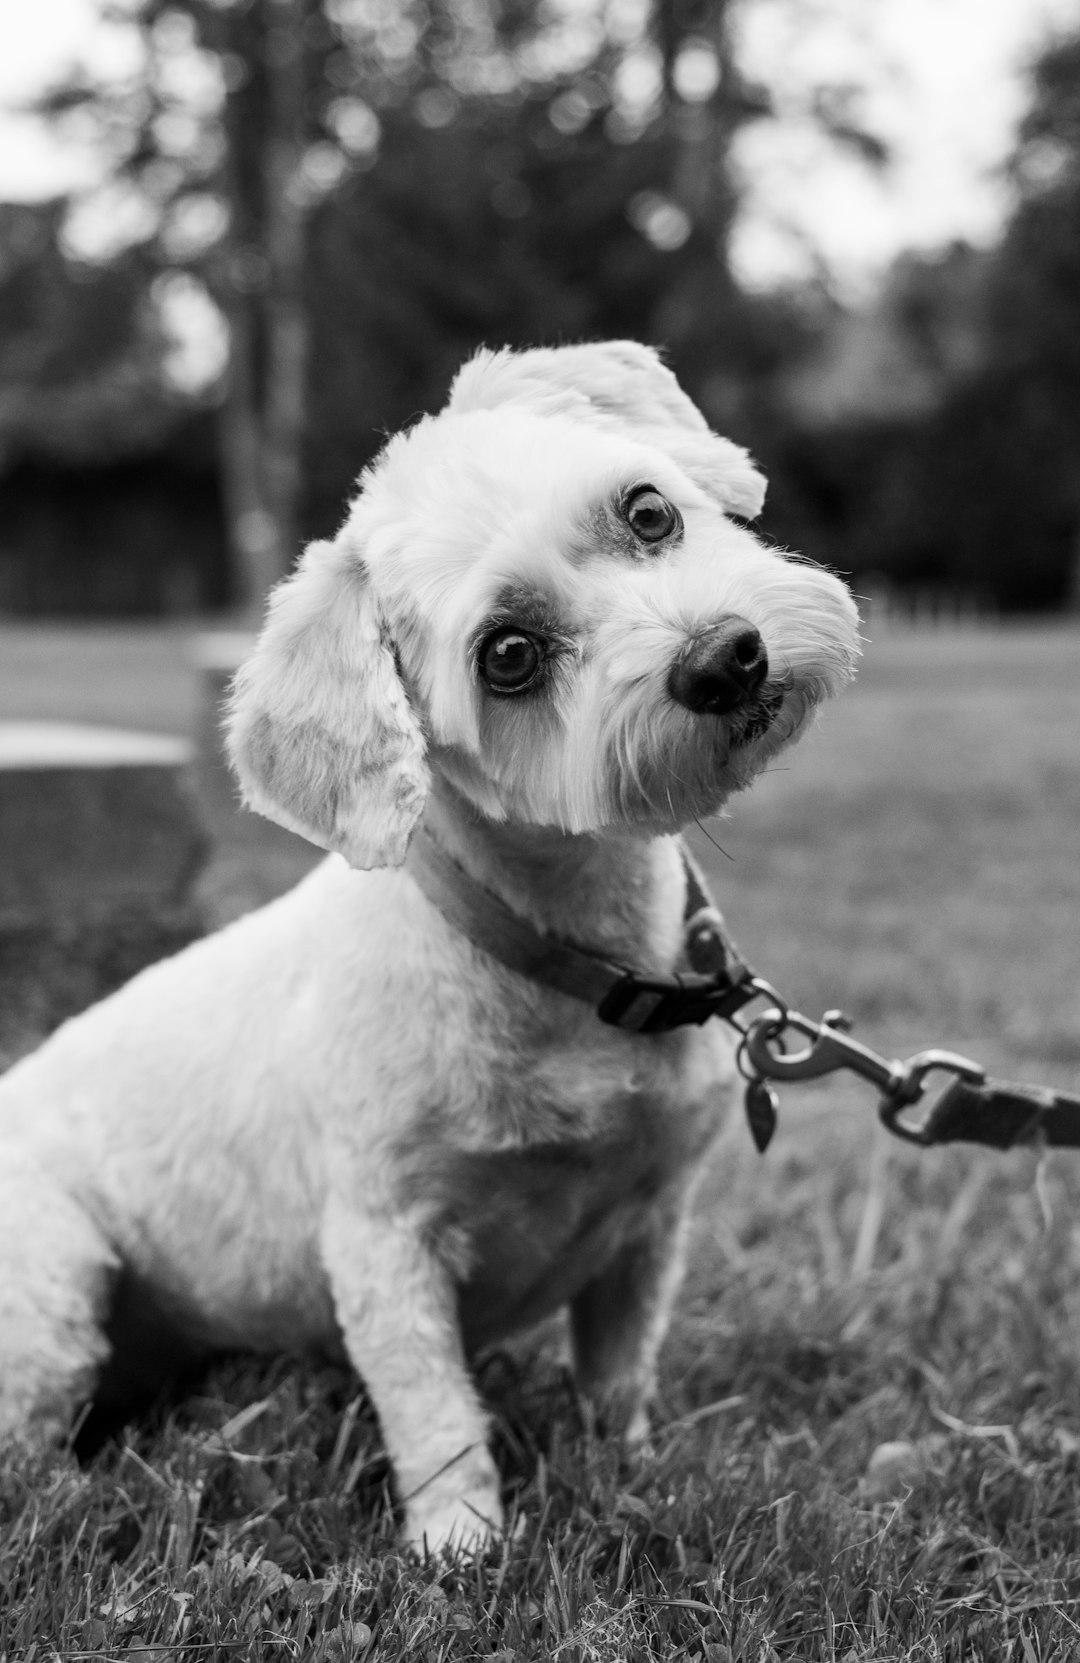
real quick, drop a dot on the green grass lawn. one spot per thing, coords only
(917, 861)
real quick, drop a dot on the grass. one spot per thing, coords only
(916, 862)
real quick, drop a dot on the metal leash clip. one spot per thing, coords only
(763, 1058)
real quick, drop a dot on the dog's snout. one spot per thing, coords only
(720, 669)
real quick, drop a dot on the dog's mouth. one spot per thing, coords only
(756, 717)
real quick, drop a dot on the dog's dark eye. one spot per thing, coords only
(509, 661)
(650, 516)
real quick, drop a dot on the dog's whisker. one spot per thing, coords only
(710, 839)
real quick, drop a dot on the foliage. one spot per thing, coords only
(449, 176)
(243, 120)
(1037, 278)
(370, 191)
(980, 486)
(107, 492)
(997, 467)
(80, 347)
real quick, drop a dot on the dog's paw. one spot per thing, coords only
(459, 1526)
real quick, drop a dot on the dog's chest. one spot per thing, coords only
(524, 1219)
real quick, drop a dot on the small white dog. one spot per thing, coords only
(540, 645)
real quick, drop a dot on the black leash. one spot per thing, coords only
(718, 982)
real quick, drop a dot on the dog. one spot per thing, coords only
(542, 644)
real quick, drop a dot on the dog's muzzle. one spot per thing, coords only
(722, 670)
(755, 718)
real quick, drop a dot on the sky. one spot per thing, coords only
(38, 41)
(940, 82)
(944, 89)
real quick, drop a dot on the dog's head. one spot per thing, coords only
(539, 593)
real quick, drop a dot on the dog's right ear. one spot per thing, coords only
(320, 731)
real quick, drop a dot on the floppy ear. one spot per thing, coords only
(320, 730)
(616, 385)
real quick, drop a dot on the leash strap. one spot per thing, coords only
(1002, 1115)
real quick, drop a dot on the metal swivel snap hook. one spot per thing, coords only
(830, 1049)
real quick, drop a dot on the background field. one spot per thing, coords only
(916, 862)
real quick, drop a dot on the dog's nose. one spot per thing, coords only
(720, 669)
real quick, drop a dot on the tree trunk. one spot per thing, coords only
(254, 550)
(704, 131)
(260, 425)
(286, 320)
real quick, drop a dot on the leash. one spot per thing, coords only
(972, 1107)
(718, 982)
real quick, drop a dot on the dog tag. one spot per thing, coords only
(761, 1106)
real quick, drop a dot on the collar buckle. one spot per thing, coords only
(657, 1004)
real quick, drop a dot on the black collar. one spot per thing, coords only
(718, 982)
(972, 1108)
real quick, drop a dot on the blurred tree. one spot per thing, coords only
(107, 495)
(936, 434)
(985, 490)
(211, 132)
(369, 188)
(81, 347)
(1034, 302)
(428, 174)
(257, 275)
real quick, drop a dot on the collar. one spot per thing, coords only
(718, 981)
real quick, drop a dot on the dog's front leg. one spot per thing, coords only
(398, 1314)
(619, 1319)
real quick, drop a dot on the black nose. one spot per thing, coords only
(720, 669)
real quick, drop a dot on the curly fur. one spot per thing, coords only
(338, 1125)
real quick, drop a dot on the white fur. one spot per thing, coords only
(336, 1123)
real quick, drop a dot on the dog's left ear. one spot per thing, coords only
(320, 730)
(620, 386)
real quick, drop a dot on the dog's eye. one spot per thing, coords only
(650, 516)
(509, 661)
